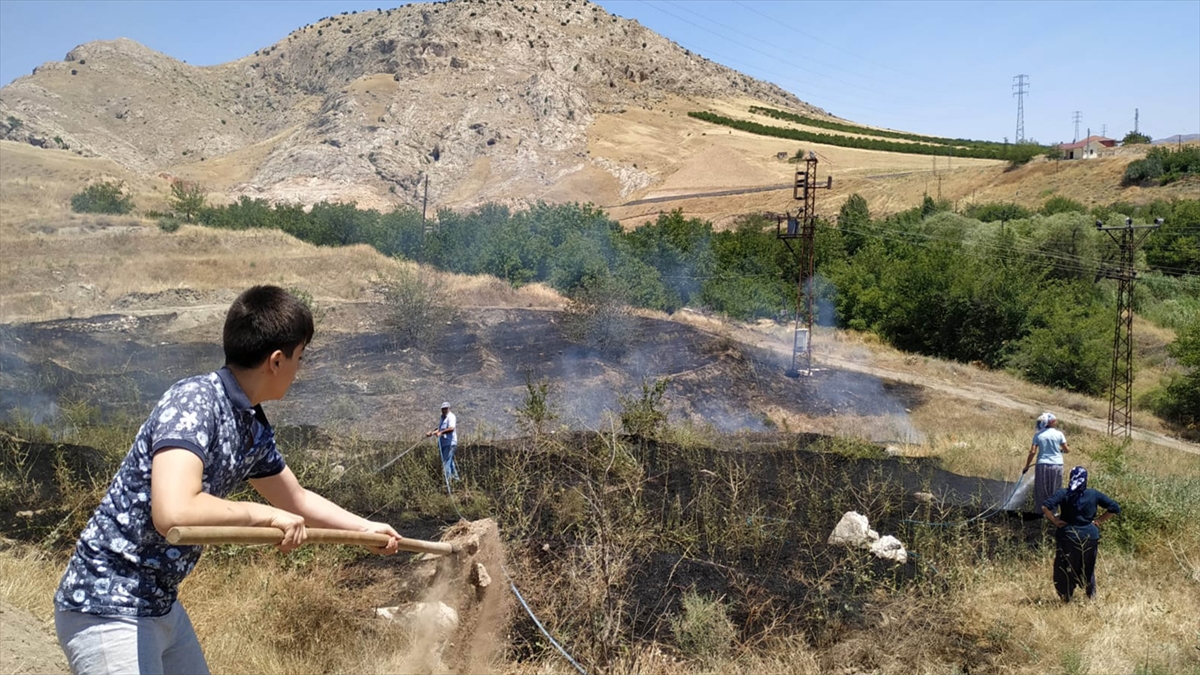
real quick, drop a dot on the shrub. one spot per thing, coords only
(598, 314)
(536, 413)
(419, 307)
(644, 414)
(1062, 205)
(169, 224)
(1179, 400)
(990, 212)
(103, 197)
(1164, 164)
(703, 630)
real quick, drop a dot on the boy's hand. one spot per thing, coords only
(384, 528)
(292, 525)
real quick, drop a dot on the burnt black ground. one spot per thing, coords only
(364, 384)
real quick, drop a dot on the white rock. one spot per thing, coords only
(890, 548)
(437, 615)
(853, 530)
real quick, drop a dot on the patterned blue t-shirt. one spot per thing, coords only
(122, 565)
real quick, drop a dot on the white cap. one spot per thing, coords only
(445, 404)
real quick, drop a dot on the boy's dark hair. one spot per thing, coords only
(261, 320)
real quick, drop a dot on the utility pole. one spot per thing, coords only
(1135, 120)
(1020, 83)
(1077, 117)
(424, 203)
(1120, 400)
(803, 226)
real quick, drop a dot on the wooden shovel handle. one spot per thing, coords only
(206, 534)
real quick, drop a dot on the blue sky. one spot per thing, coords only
(942, 68)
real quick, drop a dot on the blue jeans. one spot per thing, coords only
(449, 467)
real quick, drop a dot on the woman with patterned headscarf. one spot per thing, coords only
(1049, 446)
(1077, 536)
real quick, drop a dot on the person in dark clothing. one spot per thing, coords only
(1077, 535)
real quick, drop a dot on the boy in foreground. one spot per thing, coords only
(116, 609)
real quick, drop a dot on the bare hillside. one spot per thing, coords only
(493, 99)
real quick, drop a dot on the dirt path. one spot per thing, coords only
(27, 648)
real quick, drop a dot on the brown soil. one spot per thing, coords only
(26, 646)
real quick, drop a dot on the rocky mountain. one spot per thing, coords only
(491, 98)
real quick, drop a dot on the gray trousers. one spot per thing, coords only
(130, 645)
(1047, 481)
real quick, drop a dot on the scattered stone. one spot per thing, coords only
(890, 548)
(853, 530)
(425, 615)
(480, 576)
(893, 451)
(923, 497)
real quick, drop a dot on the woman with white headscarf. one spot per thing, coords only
(1077, 536)
(1049, 446)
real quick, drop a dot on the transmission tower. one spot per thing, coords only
(1104, 130)
(1135, 120)
(1021, 82)
(803, 226)
(1077, 117)
(1120, 401)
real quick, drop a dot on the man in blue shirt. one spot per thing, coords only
(1077, 536)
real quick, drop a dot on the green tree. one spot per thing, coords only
(854, 221)
(102, 197)
(1135, 138)
(1179, 401)
(1069, 343)
(186, 198)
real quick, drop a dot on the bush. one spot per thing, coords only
(598, 314)
(1163, 164)
(990, 212)
(1179, 400)
(419, 307)
(644, 414)
(1062, 205)
(703, 630)
(103, 197)
(169, 224)
(536, 413)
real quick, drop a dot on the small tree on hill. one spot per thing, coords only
(102, 197)
(186, 198)
(1135, 138)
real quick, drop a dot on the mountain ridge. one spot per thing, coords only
(498, 93)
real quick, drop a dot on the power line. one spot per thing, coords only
(753, 48)
(874, 89)
(871, 93)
